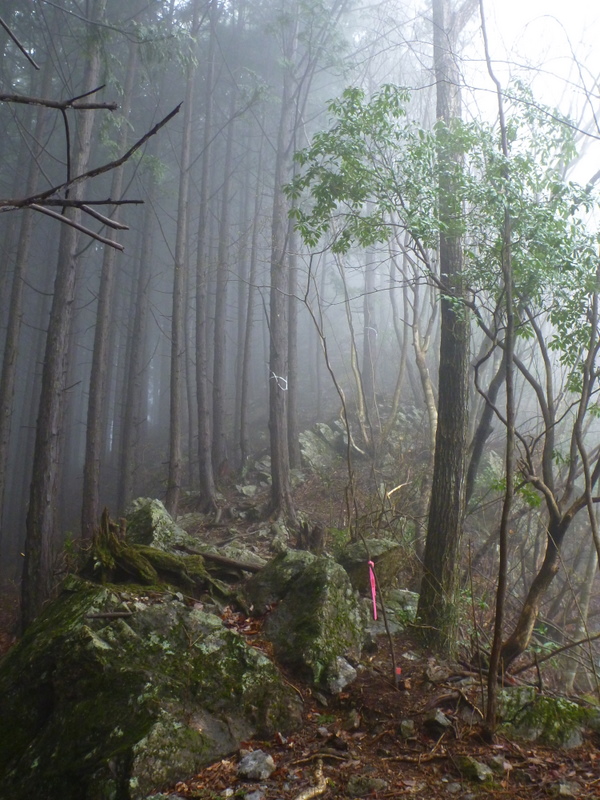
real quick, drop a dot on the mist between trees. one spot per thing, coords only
(392, 258)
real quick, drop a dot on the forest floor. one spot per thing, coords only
(376, 739)
(363, 739)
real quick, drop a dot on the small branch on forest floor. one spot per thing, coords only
(109, 615)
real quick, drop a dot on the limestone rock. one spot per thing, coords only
(475, 770)
(256, 766)
(149, 523)
(385, 554)
(112, 693)
(275, 581)
(554, 721)
(317, 622)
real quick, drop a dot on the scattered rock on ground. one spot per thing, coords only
(256, 766)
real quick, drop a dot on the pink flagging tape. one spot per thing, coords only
(373, 588)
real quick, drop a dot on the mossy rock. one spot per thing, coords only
(115, 694)
(149, 523)
(553, 721)
(318, 621)
(276, 580)
(386, 555)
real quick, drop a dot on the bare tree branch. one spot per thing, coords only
(18, 43)
(44, 197)
(112, 223)
(76, 225)
(62, 105)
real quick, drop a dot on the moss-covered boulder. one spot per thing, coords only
(276, 580)
(318, 621)
(386, 555)
(535, 717)
(114, 693)
(149, 523)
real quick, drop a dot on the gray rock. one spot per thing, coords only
(149, 523)
(407, 728)
(362, 785)
(474, 770)
(96, 705)
(437, 722)
(276, 580)
(256, 766)
(317, 454)
(317, 622)
(255, 795)
(555, 721)
(385, 554)
(340, 675)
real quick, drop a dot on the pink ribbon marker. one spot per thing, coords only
(373, 588)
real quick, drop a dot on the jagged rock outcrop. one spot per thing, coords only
(318, 618)
(114, 692)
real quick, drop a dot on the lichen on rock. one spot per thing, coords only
(116, 693)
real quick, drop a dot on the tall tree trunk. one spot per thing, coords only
(281, 491)
(134, 360)
(219, 445)
(438, 608)
(179, 281)
(247, 353)
(293, 387)
(40, 524)
(94, 443)
(15, 308)
(205, 469)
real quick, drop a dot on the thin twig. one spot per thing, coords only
(18, 43)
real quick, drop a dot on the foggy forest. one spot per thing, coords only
(225, 223)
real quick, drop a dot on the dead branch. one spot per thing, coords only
(539, 660)
(18, 43)
(61, 105)
(42, 199)
(112, 223)
(76, 225)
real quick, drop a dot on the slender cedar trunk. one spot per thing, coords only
(318, 343)
(219, 444)
(15, 308)
(247, 354)
(190, 381)
(179, 281)
(293, 388)
(438, 609)
(369, 339)
(281, 492)
(206, 481)
(242, 307)
(40, 524)
(402, 339)
(134, 359)
(94, 443)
